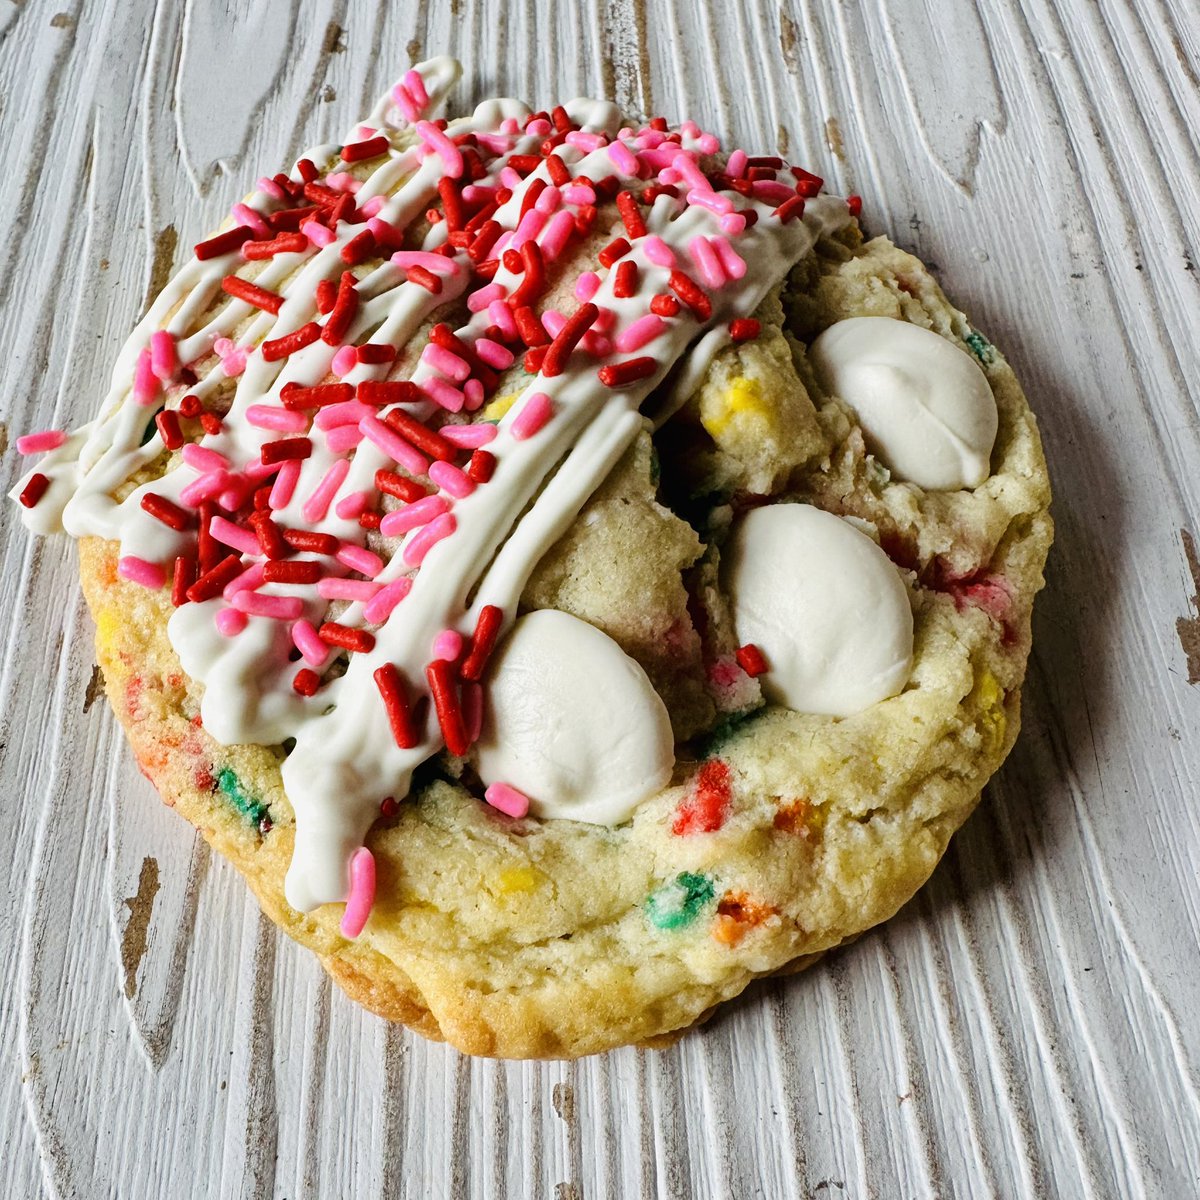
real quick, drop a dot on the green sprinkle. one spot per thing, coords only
(721, 733)
(980, 347)
(249, 806)
(679, 902)
(149, 431)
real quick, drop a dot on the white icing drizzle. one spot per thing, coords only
(345, 759)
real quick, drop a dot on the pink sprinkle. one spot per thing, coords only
(416, 88)
(285, 484)
(558, 233)
(690, 129)
(772, 190)
(235, 536)
(507, 800)
(510, 125)
(534, 414)
(346, 589)
(451, 480)
(348, 412)
(579, 194)
(473, 393)
(710, 200)
(596, 344)
(736, 167)
(269, 187)
(318, 234)
(553, 321)
(278, 608)
(623, 158)
(138, 570)
(685, 166)
(349, 507)
(643, 331)
(360, 559)
(362, 889)
(248, 580)
(494, 354)
(469, 436)
(370, 208)
(392, 444)
(660, 160)
(532, 223)
(472, 709)
(549, 200)
(233, 358)
(409, 109)
(243, 214)
(378, 609)
(445, 361)
(708, 143)
(200, 458)
(344, 361)
(268, 416)
(317, 505)
(436, 140)
(705, 258)
(386, 234)
(421, 542)
(38, 443)
(501, 316)
(343, 438)
(587, 142)
(208, 485)
(494, 144)
(420, 512)
(343, 181)
(479, 299)
(448, 645)
(732, 263)
(145, 384)
(658, 252)
(733, 223)
(230, 622)
(315, 651)
(163, 360)
(586, 286)
(443, 393)
(256, 470)
(667, 175)
(438, 264)
(510, 179)
(606, 318)
(231, 499)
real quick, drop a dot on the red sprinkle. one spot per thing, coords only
(210, 423)
(482, 466)
(379, 393)
(534, 358)
(789, 209)
(560, 176)
(451, 203)
(854, 204)
(359, 248)
(483, 642)
(423, 278)
(750, 659)
(168, 428)
(358, 640)
(395, 701)
(299, 398)
(243, 289)
(421, 436)
(285, 243)
(281, 347)
(189, 405)
(371, 148)
(286, 449)
(533, 332)
(223, 243)
(307, 170)
(370, 519)
(312, 542)
(664, 306)
(625, 279)
(306, 682)
(631, 215)
(345, 305)
(184, 577)
(167, 512)
(533, 279)
(376, 352)
(707, 808)
(270, 538)
(615, 375)
(212, 583)
(209, 551)
(615, 250)
(532, 193)
(578, 323)
(442, 685)
(404, 489)
(691, 293)
(34, 490)
(744, 329)
(291, 571)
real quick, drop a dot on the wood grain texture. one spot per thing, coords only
(1028, 1026)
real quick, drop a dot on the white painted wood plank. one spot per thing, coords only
(1028, 1025)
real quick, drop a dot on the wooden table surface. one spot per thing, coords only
(1030, 1024)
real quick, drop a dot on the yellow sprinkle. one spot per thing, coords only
(107, 624)
(993, 718)
(518, 879)
(499, 406)
(744, 395)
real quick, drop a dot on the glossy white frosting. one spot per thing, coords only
(825, 606)
(573, 722)
(924, 404)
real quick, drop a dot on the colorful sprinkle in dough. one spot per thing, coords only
(423, 480)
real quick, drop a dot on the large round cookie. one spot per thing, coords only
(779, 833)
